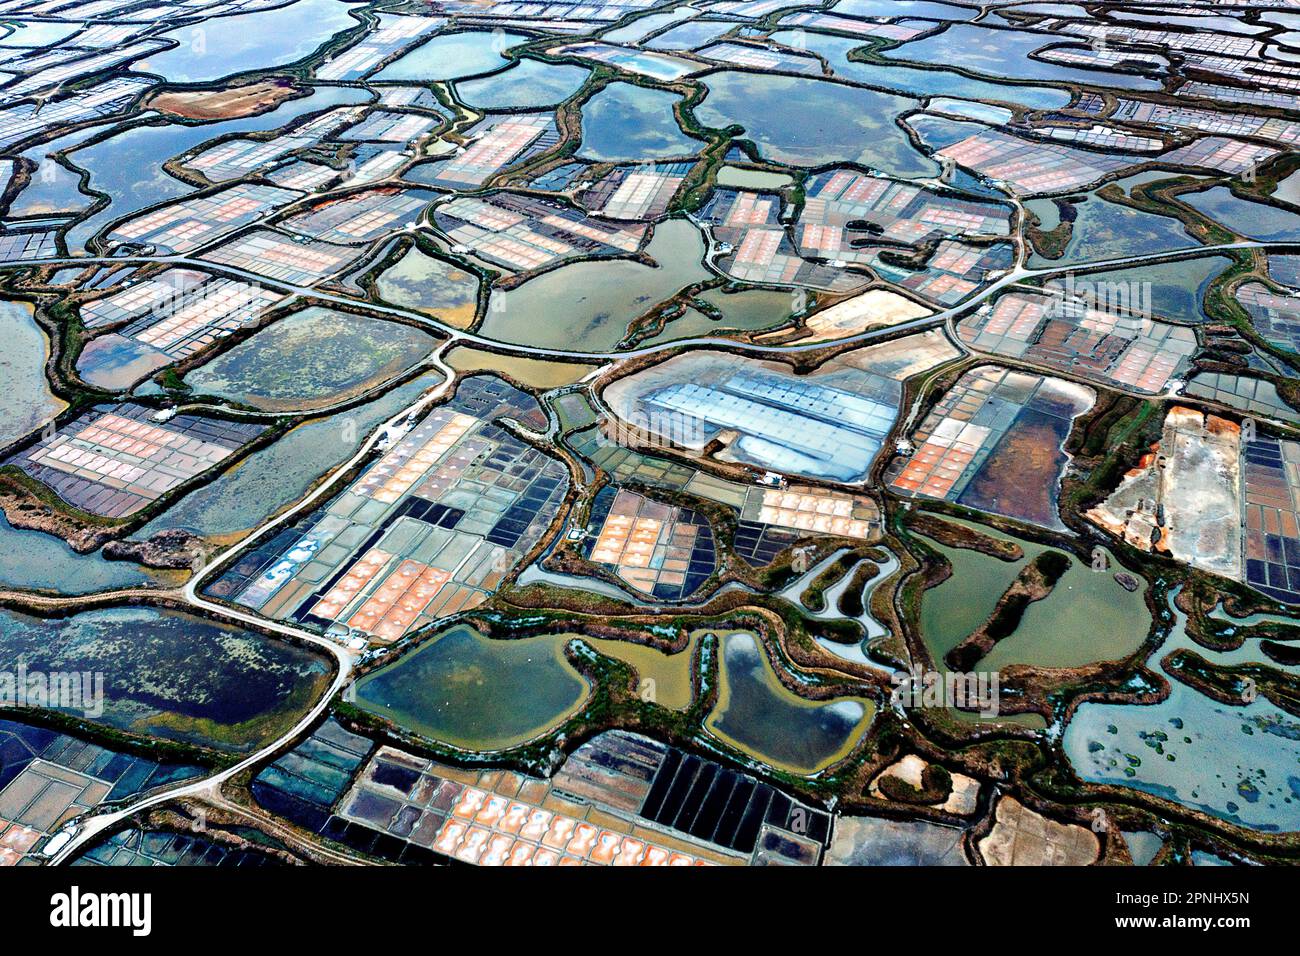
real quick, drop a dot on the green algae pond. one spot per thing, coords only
(531, 372)
(663, 679)
(750, 310)
(739, 177)
(313, 358)
(174, 675)
(467, 690)
(1088, 616)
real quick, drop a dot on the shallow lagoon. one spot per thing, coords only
(33, 34)
(175, 675)
(752, 178)
(904, 8)
(588, 305)
(939, 132)
(691, 324)
(1176, 290)
(1006, 53)
(477, 693)
(419, 281)
(689, 36)
(922, 82)
(1238, 763)
(268, 38)
(752, 310)
(964, 601)
(1088, 617)
(52, 188)
(26, 402)
(33, 560)
(529, 84)
(1254, 220)
(627, 123)
(452, 56)
(530, 372)
(644, 26)
(749, 310)
(128, 165)
(1108, 230)
(311, 359)
(662, 678)
(833, 124)
(1288, 190)
(758, 715)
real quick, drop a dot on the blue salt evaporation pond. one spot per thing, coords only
(228, 45)
(632, 123)
(835, 123)
(452, 56)
(1254, 220)
(919, 82)
(475, 692)
(529, 84)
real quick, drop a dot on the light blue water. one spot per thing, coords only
(225, 46)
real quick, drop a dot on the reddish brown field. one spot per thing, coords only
(231, 103)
